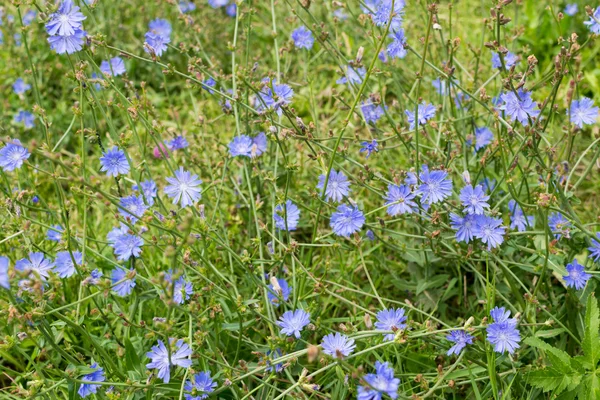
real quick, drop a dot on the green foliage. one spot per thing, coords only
(575, 375)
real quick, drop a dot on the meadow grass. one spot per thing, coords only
(96, 284)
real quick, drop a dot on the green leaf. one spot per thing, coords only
(590, 344)
(132, 361)
(549, 380)
(560, 360)
(567, 395)
(588, 387)
(548, 333)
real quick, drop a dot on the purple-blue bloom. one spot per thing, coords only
(132, 207)
(503, 333)
(281, 95)
(26, 118)
(474, 199)
(369, 147)
(36, 263)
(303, 38)
(463, 226)
(186, 6)
(114, 234)
(353, 75)
(411, 178)
(159, 355)
(379, 384)
(370, 235)
(488, 184)
(287, 222)
(583, 112)
(245, 146)
(346, 220)
(231, 10)
(127, 245)
(435, 186)
(218, 3)
(397, 49)
(271, 355)
(123, 285)
(54, 233)
(28, 17)
(440, 86)
(178, 143)
(489, 230)
(382, 56)
(160, 27)
(184, 188)
(275, 295)
(202, 384)
(209, 83)
(63, 265)
(12, 155)
(182, 289)
(156, 43)
(593, 22)
(519, 108)
(292, 322)
(338, 186)
(425, 112)
(149, 189)
(483, 137)
(518, 220)
(66, 20)
(382, 11)
(114, 162)
(338, 345)
(20, 87)
(391, 319)
(400, 200)
(571, 9)
(559, 225)
(85, 389)
(372, 112)
(4, 280)
(67, 44)
(510, 59)
(595, 248)
(94, 277)
(114, 67)
(576, 276)
(461, 339)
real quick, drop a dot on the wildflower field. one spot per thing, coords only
(296, 199)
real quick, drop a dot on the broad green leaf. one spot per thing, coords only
(590, 344)
(560, 360)
(549, 380)
(588, 388)
(132, 361)
(432, 283)
(568, 395)
(548, 333)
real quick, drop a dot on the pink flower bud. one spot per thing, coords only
(158, 153)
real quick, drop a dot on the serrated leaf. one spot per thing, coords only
(588, 388)
(549, 380)
(560, 360)
(590, 344)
